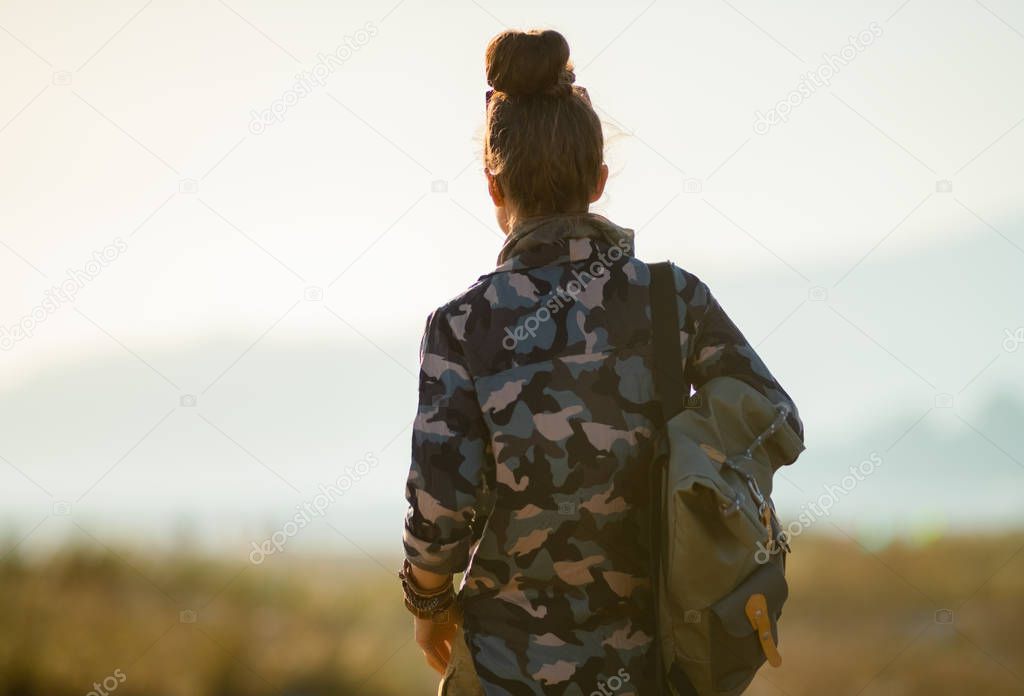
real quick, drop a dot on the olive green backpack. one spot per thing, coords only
(717, 548)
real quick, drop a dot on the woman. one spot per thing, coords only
(537, 413)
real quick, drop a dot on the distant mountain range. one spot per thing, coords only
(111, 436)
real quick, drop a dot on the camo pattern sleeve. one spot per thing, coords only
(450, 453)
(717, 348)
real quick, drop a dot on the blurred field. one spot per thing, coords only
(856, 623)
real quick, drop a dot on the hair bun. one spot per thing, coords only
(521, 63)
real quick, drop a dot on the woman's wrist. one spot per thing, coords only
(427, 595)
(428, 581)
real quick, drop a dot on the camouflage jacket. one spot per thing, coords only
(535, 428)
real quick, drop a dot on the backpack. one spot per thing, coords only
(717, 549)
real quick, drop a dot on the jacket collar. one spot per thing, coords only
(560, 239)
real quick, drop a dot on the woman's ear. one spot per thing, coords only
(501, 211)
(494, 188)
(602, 179)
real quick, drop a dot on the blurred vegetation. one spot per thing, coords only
(857, 623)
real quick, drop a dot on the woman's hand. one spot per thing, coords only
(435, 636)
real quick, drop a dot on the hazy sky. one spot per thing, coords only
(870, 241)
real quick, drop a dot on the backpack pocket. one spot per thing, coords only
(743, 628)
(715, 527)
(711, 631)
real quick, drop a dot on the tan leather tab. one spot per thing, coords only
(757, 614)
(713, 454)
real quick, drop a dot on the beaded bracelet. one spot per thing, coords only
(425, 604)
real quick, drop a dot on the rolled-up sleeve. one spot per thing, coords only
(449, 454)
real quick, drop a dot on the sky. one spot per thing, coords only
(245, 270)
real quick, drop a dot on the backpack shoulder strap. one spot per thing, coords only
(669, 384)
(671, 390)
